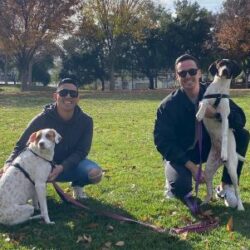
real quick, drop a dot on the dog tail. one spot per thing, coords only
(241, 158)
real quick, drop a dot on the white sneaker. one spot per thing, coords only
(78, 193)
(228, 194)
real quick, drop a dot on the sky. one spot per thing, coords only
(211, 5)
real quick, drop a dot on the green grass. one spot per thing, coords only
(133, 183)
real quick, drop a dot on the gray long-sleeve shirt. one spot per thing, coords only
(76, 135)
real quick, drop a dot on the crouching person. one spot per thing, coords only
(76, 129)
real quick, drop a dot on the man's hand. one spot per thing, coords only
(210, 112)
(195, 174)
(55, 172)
(194, 170)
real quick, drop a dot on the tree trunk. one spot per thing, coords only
(151, 81)
(246, 83)
(30, 73)
(103, 84)
(6, 69)
(24, 72)
(156, 82)
(111, 76)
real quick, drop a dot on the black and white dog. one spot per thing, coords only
(223, 145)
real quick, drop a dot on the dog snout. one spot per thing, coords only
(41, 144)
(225, 72)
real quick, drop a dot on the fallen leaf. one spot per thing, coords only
(67, 190)
(92, 225)
(207, 213)
(110, 228)
(84, 238)
(232, 236)
(87, 238)
(230, 224)
(108, 244)
(184, 235)
(79, 239)
(120, 243)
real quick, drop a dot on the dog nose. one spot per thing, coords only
(225, 72)
(41, 144)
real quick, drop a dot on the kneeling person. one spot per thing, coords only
(76, 129)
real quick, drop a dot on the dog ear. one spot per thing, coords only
(236, 69)
(58, 137)
(32, 138)
(213, 69)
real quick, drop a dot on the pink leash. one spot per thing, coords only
(67, 198)
(198, 227)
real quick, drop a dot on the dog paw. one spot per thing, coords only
(49, 222)
(199, 116)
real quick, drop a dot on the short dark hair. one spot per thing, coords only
(185, 57)
(67, 80)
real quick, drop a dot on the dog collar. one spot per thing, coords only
(51, 162)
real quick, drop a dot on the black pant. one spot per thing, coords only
(179, 178)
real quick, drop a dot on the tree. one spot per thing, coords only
(150, 53)
(41, 67)
(189, 31)
(112, 20)
(232, 31)
(28, 25)
(83, 60)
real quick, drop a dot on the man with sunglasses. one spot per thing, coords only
(176, 134)
(76, 129)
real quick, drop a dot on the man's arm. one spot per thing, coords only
(165, 137)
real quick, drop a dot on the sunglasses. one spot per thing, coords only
(65, 92)
(191, 72)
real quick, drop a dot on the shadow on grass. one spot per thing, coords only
(78, 229)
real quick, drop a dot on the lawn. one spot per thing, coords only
(132, 185)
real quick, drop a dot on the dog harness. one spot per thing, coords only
(26, 174)
(218, 98)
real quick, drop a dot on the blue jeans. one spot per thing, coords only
(78, 175)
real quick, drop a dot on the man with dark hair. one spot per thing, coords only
(176, 133)
(76, 129)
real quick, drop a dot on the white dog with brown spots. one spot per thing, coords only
(25, 179)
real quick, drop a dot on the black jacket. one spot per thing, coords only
(175, 125)
(76, 135)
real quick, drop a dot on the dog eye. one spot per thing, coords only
(50, 136)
